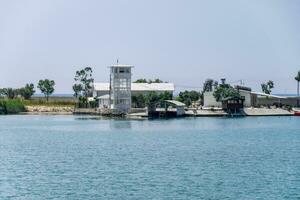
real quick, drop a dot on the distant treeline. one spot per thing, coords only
(46, 87)
(14, 100)
(25, 92)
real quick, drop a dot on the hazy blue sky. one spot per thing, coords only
(183, 42)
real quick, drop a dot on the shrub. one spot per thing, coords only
(11, 106)
(2, 107)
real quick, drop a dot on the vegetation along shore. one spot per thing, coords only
(215, 99)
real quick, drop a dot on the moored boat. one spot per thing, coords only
(297, 113)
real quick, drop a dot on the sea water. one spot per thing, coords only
(75, 157)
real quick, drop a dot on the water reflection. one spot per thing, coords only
(120, 124)
(86, 117)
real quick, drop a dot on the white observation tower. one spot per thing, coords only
(120, 88)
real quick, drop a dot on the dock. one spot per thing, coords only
(173, 113)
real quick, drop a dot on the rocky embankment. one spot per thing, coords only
(50, 109)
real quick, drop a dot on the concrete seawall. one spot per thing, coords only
(267, 112)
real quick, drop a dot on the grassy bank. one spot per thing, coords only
(15, 106)
(11, 106)
(53, 103)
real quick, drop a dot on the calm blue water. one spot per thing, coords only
(67, 157)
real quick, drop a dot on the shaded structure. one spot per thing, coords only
(167, 109)
(233, 104)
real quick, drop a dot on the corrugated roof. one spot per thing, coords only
(106, 96)
(101, 86)
(140, 87)
(176, 103)
(269, 95)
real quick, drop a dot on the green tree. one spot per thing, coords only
(151, 100)
(187, 97)
(46, 87)
(165, 96)
(141, 80)
(225, 91)
(28, 91)
(157, 80)
(297, 78)
(84, 83)
(1, 92)
(77, 88)
(208, 85)
(138, 101)
(267, 87)
(10, 93)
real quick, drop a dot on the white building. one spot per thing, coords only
(245, 93)
(104, 101)
(210, 101)
(117, 93)
(253, 99)
(120, 88)
(101, 89)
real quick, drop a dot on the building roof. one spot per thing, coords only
(120, 65)
(241, 87)
(232, 98)
(136, 87)
(106, 96)
(101, 86)
(176, 103)
(269, 95)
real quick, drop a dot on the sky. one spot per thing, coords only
(179, 41)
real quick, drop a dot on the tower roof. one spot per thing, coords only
(121, 65)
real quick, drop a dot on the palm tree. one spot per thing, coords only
(297, 78)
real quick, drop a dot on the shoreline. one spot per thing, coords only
(143, 117)
(67, 110)
(45, 113)
(49, 110)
